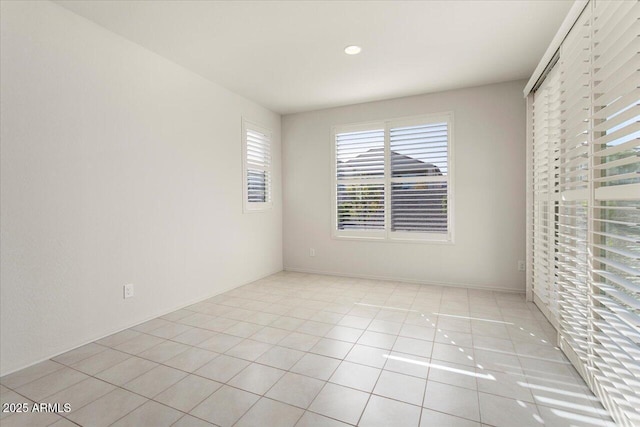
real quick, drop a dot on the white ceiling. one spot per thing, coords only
(288, 55)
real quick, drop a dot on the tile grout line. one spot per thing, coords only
(244, 338)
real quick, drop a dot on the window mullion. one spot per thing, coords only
(387, 181)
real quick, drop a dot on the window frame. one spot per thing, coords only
(254, 207)
(386, 235)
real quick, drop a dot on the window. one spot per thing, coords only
(256, 170)
(393, 180)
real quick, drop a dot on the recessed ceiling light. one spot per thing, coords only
(352, 50)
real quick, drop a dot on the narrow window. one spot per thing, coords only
(256, 154)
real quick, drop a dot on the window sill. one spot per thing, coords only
(256, 207)
(432, 240)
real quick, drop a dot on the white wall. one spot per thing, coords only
(489, 220)
(118, 166)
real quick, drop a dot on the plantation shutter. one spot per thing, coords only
(595, 243)
(257, 167)
(615, 228)
(360, 180)
(546, 143)
(575, 83)
(419, 157)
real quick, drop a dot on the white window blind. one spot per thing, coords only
(615, 227)
(595, 218)
(546, 143)
(393, 179)
(256, 150)
(360, 180)
(575, 81)
(419, 177)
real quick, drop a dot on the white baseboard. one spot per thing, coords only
(403, 279)
(137, 322)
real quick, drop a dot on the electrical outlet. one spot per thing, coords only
(521, 266)
(127, 290)
(312, 252)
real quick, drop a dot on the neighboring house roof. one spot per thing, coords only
(408, 166)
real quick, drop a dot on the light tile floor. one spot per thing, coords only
(309, 350)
